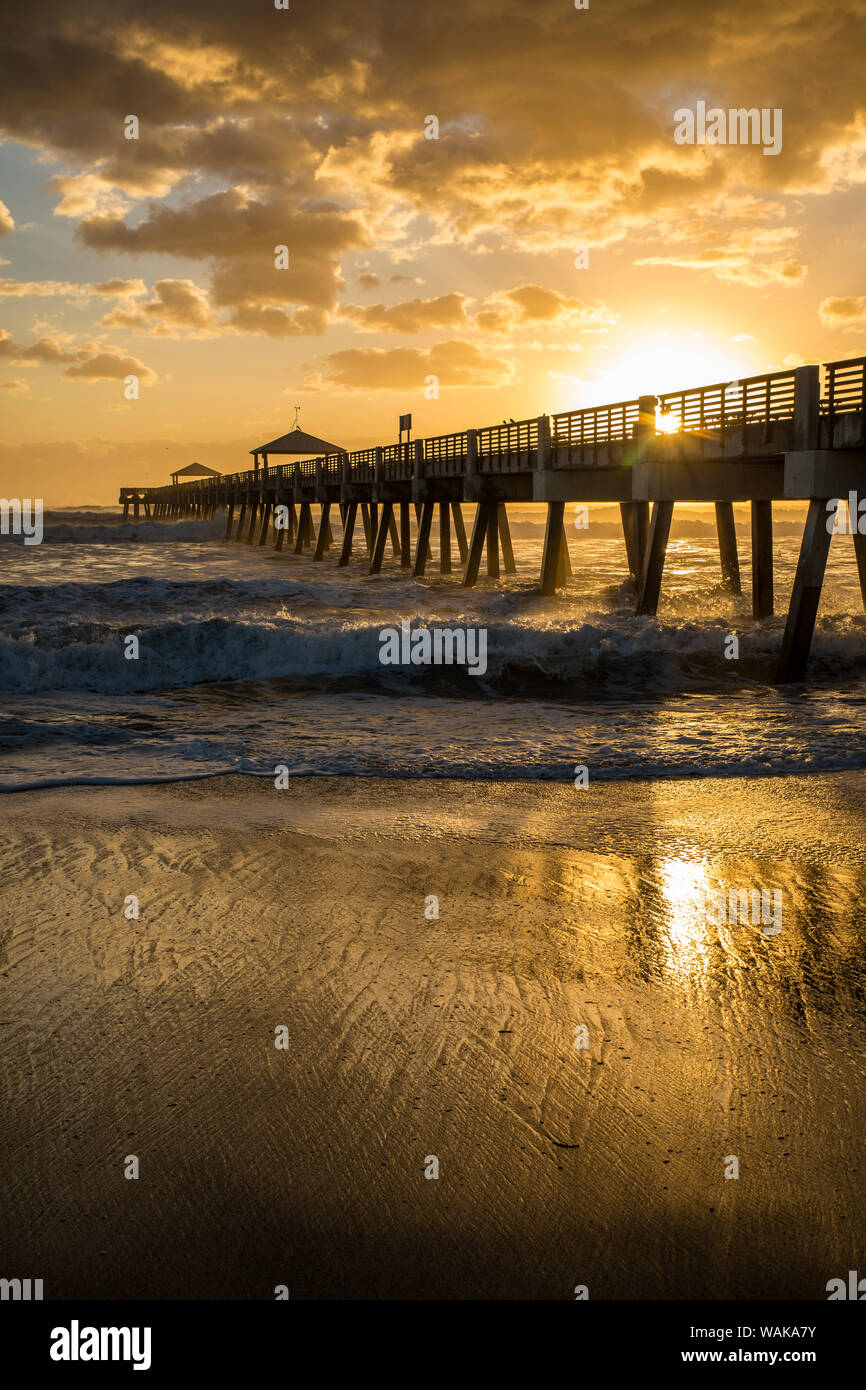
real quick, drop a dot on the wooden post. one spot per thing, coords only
(859, 552)
(381, 537)
(476, 546)
(565, 571)
(641, 528)
(405, 537)
(395, 539)
(505, 540)
(762, 559)
(626, 511)
(423, 552)
(368, 536)
(125, 508)
(135, 508)
(322, 540)
(654, 558)
(304, 522)
(807, 407)
(492, 541)
(418, 514)
(806, 594)
(554, 535)
(348, 529)
(241, 515)
(444, 538)
(728, 556)
(460, 531)
(254, 512)
(279, 532)
(266, 517)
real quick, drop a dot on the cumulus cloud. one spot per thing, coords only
(558, 116)
(108, 366)
(175, 304)
(90, 361)
(533, 305)
(7, 223)
(412, 316)
(455, 363)
(554, 131)
(847, 312)
(239, 234)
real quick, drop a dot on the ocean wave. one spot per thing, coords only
(193, 764)
(104, 533)
(614, 655)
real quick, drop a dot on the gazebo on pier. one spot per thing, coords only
(296, 442)
(194, 470)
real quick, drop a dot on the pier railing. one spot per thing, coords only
(590, 436)
(509, 447)
(755, 400)
(581, 433)
(445, 455)
(844, 393)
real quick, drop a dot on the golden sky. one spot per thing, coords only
(409, 257)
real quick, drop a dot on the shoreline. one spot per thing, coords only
(337, 778)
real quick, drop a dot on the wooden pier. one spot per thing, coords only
(794, 435)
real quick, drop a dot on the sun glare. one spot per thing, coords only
(667, 423)
(664, 362)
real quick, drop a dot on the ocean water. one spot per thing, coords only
(250, 659)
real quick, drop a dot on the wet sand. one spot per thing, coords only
(410, 1037)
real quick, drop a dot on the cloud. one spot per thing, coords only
(559, 123)
(554, 130)
(455, 363)
(66, 289)
(412, 316)
(15, 384)
(109, 366)
(90, 361)
(847, 312)
(278, 323)
(736, 265)
(239, 234)
(175, 304)
(42, 288)
(118, 288)
(7, 223)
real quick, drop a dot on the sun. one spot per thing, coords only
(654, 363)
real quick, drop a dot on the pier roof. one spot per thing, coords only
(196, 470)
(297, 441)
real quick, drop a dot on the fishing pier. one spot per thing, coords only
(793, 435)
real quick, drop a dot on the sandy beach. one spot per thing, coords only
(412, 1036)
